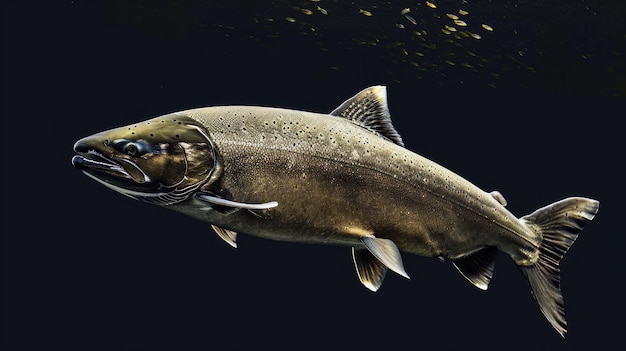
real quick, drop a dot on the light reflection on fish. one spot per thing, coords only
(342, 178)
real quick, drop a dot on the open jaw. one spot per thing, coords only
(112, 174)
(94, 163)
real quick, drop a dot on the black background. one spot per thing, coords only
(86, 268)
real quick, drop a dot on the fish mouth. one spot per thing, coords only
(112, 174)
(93, 161)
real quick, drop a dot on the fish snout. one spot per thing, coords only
(82, 146)
(92, 142)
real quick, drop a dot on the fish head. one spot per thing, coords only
(161, 160)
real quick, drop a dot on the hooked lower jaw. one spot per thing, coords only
(112, 175)
(95, 163)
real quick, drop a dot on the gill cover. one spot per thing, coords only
(161, 160)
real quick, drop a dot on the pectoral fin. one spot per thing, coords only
(227, 235)
(370, 270)
(477, 267)
(233, 204)
(386, 252)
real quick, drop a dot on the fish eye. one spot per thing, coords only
(130, 149)
(133, 148)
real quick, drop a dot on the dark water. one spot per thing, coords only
(531, 108)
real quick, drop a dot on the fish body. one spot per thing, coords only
(336, 181)
(342, 178)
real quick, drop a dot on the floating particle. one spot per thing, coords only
(419, 54)
(290, 19)
(451, 29)
(486, 27)
(324, 12)
(410, 19)
(475, 36)
(405, 11)
(460, 23)
(307, 12)
(463, 12)
(445, 31)
(431, 5)
(400, 25)
(365, 13)
(451, 16)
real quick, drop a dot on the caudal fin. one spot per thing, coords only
(558, 224)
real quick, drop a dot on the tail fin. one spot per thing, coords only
(558, 224)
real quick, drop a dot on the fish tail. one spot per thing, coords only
(558, 225)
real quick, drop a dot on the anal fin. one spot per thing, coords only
(477, 267)
(227, 235)
(370, 270)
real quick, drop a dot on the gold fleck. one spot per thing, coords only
(405, 11)
(451, 16)
(307, 12)
(486, 27)
(460, 23)
(431, 5)
(365, 13)
(410, 19)
(290, 19)
(324, 12)
(463, 12)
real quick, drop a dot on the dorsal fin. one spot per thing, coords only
(477, 267)
(369, 109)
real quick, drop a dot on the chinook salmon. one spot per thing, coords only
(342, 178)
